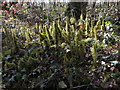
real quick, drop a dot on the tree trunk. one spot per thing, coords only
(75, 9)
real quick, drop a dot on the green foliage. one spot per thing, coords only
(94, 54)
(9, 65)
(32, 62)
(61, 50)
(21, 64)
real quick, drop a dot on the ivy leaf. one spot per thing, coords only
(52, 61)
(68, 50)
(44, 34)
(105, 57)
(114, 62)
(114, 74)
(62, 84)
(38, 70)
(34, 73)
(12, 79)
(18, 75)
(25, 77)
(23, 70)
(88, 40)
(118, 79)
(7, 57)
(42, 86)
(22, 26)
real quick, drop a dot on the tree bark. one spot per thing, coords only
(75, 9)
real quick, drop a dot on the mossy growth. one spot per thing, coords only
(65, 45)
(22, 64)
(7, 52)
(9, 65)
(32, 62)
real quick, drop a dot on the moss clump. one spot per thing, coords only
(22, 64)
(9, 65)
(32, 62)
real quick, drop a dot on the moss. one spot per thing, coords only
(32, 62)
(94, 54)
(7, 52)
(9, 65)
(65, 45)
(21, 64)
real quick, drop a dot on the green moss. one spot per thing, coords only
(32, 62)
(7, 52)
(94, 54)
(65, 45)
(9, 65)
(21, 64)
